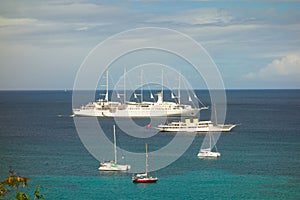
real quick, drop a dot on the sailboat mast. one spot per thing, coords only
(210, 141)
(147, 159)
(115, 144)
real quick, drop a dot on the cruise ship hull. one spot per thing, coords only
(135, 112)
(133, 109)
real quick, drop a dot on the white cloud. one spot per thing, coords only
(287, 67)
(84, 28)
(76, 11)
(201, 16)
(16, 21)
(48, 22)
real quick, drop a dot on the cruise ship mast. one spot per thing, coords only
(179, 89)
(142, 98)
(162, 84)
(124, 85)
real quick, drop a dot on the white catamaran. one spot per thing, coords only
(208, 153)
(160, 108)
(113, 165)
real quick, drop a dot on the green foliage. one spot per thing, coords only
(37, 194)
(22, 196)
(12, 183)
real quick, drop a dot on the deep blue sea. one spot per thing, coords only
(260, 158)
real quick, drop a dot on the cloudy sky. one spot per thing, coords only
(254, 44)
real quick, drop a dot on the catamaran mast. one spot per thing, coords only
(115, 144)
(215, 113)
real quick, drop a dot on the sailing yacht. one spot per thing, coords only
(145, 177)
(160, 108)
(208, 153)
(113, 165)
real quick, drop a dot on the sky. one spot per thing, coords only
(254, 44)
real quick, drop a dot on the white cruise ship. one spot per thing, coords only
(160, 108)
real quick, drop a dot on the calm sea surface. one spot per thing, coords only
(260, 158)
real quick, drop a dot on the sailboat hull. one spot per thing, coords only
(113, 167)
(145, 180)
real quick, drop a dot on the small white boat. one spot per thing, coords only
(208, 153)
(113, 165)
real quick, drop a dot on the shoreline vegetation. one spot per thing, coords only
(16, 187)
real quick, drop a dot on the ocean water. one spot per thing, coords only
(260, 158)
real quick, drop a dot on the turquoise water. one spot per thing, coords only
(260, 158)
(204, 184)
